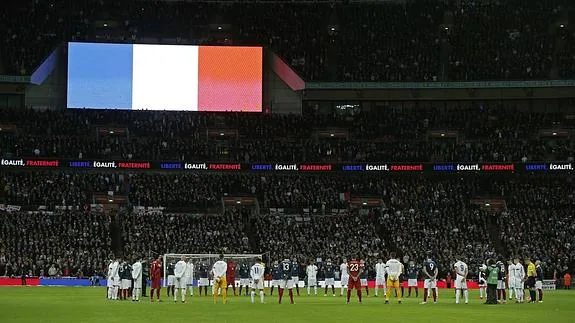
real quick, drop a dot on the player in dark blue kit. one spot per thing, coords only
(539, 280)
(295, 274)
(430, 272)
(204, 278)
(412, 273)
(363, 278)
(171, 278)
(329, 273)
(276, 277)
(501, 291)
(287, 281)
(244, 273)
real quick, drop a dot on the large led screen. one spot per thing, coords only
(164, 77)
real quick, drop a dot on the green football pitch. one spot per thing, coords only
(83, 304)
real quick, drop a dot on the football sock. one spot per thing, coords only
(533, 295)
(240, 290)
(466, 295)
(158, 293)
(425, 295)
(308, 290)
(333, 289)
(457, 296)
(416, 292)
(234, 288)
(315, 290)
(359, 294)
(280, 294)
(183, 294)
(272, 291)
(540, 295)
(297, 289)
(504, 293)
(511, 293)
(291, 295)
(348, 294)
(435, 294)
(252, 296)
(262, 295)
(366, 291)
(326, 289)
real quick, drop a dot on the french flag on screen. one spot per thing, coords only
(164, 77)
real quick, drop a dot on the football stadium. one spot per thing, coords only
(287, 161)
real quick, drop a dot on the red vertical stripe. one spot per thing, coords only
(230, 78)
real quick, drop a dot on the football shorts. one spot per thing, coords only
(459, 284)
(539, 284)
(276, 283)
(312, 282)
(412, 282)
(286, 283)
(428, 283)
(344, 280)
(295, 280)
(204, 282)
(171, 279)
(180, 282)
(500, 284)
(244, 282)
(126, 284)
(330, 282)
(363, 282)
(379, 281)
(257, 285)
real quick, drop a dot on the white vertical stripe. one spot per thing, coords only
(165, 77)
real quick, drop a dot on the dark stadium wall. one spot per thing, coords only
(282, 86)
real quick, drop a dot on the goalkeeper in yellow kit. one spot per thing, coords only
(219, 271)
(394, 268)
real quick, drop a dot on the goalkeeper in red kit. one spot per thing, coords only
(156, 278)
(355, 268)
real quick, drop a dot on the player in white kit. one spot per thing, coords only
(257, 275)
(116, 278)
(380, 276)
(519, 276)
(110, 279)
(190, 276)
(311, 273)
(510, 279)
(461, 280)
(137, 277)
(180, 282)
(344, 274)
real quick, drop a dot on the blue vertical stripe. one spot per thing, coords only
(100, 75)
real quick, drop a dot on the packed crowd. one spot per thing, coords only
(462, 40)
(417, 215)
(396, 134)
